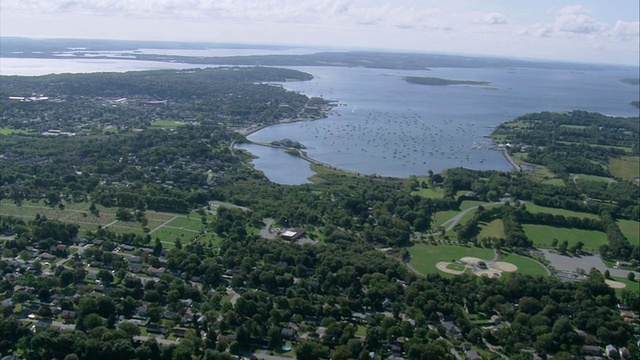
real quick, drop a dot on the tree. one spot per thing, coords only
(631, 276)
(123, 214)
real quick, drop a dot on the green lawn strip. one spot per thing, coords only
(424, 257)
(471, 203)
(187, 223)
(442, 216)
(554, 182)
(126, 230)
(431, 193)
(171, 234)
(9, 131)
(533, 208)
(167, 123)
(585, 177)
(492, 229)
(524, 264)
(630, 229)
(542, 235)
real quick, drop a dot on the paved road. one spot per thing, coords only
(456, 219)
(265, 232)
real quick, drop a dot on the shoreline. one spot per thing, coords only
(516, 166)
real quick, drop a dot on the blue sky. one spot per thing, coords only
(600, 31)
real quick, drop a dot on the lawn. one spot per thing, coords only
(631, 285)
(171, 234)
(533, 208)
(493, 229)
(542, 235)
(431, 193)
(525, 265)
(442, 216)
(187, 223)
(425, 256)
(584, 177)
(626, 167)
(167, 123)
(8, 131)
(630, 229)
(554, 182)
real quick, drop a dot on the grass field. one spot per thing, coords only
(631, 230)
(492, 229)
(533, 208)
(631, 285)
(542, 235)
(626, 167)
(431, 193)
(442, 216)
(7, 131)
(554, 182)
(584, 177)
(182, 227)
(525, 265)
(167, 123)
(424, 257)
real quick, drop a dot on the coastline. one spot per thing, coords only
(516, 166)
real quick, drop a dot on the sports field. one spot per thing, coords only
(525, 265)
(424, 257)
(543, 235)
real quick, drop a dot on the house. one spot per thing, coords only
(624, 353)
(591, 350)
(156, 272)
(179, 331)
(68, 314)
(46, 256)
(473, 355)
(292, 234)
(611, 351)
(288, 333)
(387, 304)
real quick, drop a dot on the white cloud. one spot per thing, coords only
(573, 10)
(624, 30)
(492, 18)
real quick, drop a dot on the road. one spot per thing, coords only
(456, 219)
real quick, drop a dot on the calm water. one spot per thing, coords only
(279, 166)
(34, 67)
(388, 127)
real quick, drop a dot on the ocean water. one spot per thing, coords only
(386, 126)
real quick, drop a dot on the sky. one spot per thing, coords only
(592, 31)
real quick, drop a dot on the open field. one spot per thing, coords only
(554, 182)
(585, 177)
(542, 235)
(626, 167)
(424, 257)
(492, 229)
(167, 123)
(533, 208)
(7, 131)
(525, 265)
(431, 193)
(182, 227)
(630, 229)
(443, 216)
(631, 285)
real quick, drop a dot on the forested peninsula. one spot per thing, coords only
(441, 82)
(131, 228)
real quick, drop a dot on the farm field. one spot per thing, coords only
(525, 265)
(424, 257)
(533, 208)
(542, 235)
(630, 229)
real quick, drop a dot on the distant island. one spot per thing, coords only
(631, 81)
(441, 82)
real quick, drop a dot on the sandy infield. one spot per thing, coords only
(503, 266)
(473, 261)
(616, 284)
(442, 266)
(492, 273)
